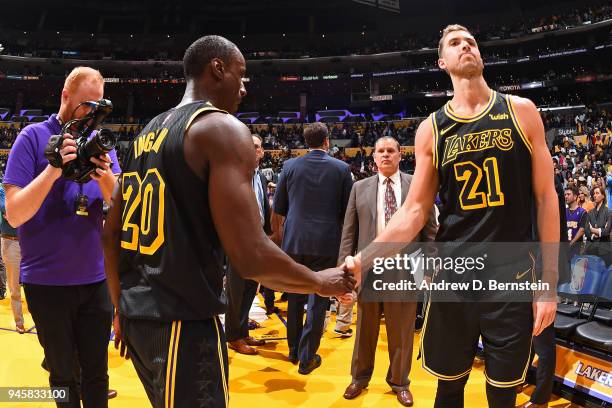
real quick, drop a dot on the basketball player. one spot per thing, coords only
(486, 195)
(184, 198)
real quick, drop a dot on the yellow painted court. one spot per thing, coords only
(266, 380)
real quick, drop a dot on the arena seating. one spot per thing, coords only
(598, 333)
(588, 273)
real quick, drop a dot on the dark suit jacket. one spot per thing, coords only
(360, 219)
(312, 193)
(266, 204)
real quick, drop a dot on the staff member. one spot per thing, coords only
(62, 267)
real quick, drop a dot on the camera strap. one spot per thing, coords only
(81, 203)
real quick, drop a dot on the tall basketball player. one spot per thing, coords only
(186, 197)
(486, 154)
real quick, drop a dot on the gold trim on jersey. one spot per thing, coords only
(448, 110)
(435, 146)
(195, 114)
(508, 384)
(221, 363)
(517, 124)
(171, 364)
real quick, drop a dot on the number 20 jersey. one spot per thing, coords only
(484, 170)
(171, 261)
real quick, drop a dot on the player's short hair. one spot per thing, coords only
(389, 138)
(79, 75)
(315, 134)
(203, 51)
(449, 29)
(257, 136)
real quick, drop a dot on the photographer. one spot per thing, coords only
(60, 225)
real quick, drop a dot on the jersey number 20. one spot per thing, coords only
(143, 214)
(471, 176)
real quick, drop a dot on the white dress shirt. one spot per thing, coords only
(380, 199)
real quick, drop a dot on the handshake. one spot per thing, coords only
(341, 281)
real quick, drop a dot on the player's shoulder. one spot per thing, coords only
(219, 128)
(426, 125)
(521, 104)
(218, 121)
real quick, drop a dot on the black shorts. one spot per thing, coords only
(450, 339)
(181, 363)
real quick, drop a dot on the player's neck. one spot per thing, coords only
(192, 94)
(470, 95)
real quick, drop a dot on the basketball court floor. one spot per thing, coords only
(266, 380)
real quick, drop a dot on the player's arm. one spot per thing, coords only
(411, 217)
(111, 241)
(547, 206)
(227, 147)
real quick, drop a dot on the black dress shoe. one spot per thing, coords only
(312, 364)
(293, 359)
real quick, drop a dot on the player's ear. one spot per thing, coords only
(218, 68)
(442, 64)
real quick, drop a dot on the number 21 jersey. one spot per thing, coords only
(484, 170)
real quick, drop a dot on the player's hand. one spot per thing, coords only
(335, 282)
(353, 264)
(103, 163)
(347, 298)
(119, 342)
(543, 315)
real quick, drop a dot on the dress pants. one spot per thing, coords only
(240, 295)
(304, 338)
(268, 295)
(399, 321)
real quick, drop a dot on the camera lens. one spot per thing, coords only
(106, 139)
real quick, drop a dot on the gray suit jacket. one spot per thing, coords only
(360, 218)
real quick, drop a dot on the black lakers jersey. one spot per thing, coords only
(171, 257)
(484, 170)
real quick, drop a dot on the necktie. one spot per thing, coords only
(390, 201)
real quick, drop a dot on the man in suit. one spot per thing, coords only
(372, 203)
(276, 225)
(312, 193)
(241, 292)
